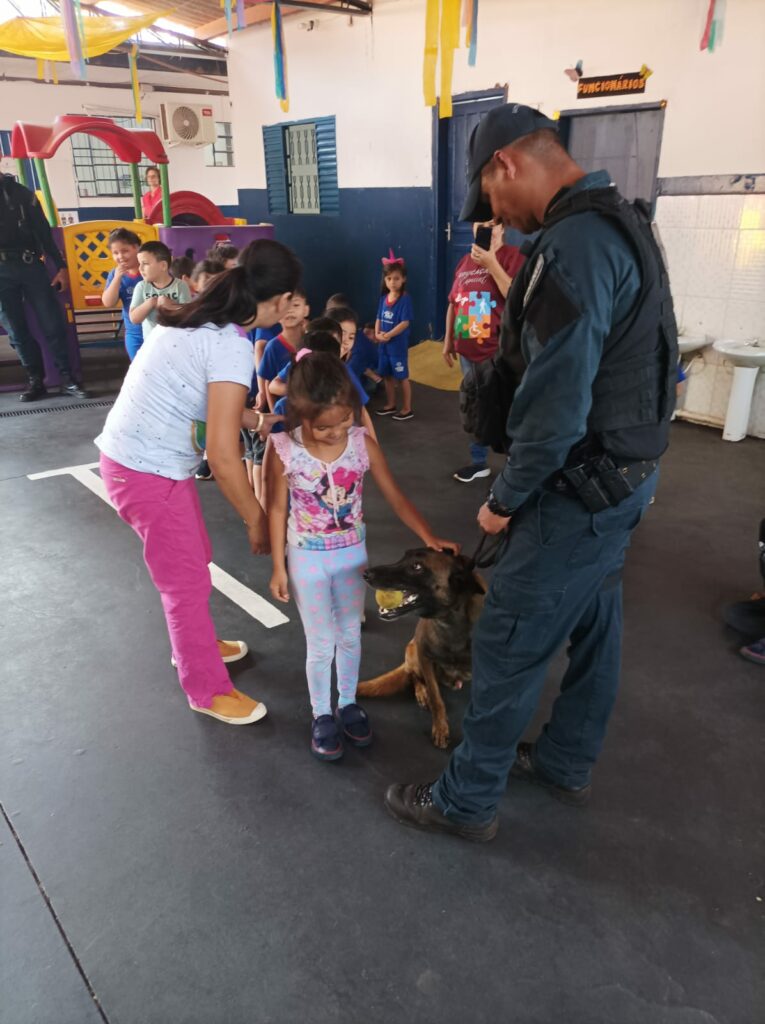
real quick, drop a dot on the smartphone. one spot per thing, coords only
(483, 237)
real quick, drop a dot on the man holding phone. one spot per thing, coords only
(25, 239)
(476, 303)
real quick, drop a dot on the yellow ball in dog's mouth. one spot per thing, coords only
(389, 598)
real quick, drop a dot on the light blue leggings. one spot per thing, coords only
(329, 591)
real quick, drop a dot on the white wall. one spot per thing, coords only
(369, 74)
(715, 248)
(40, 102)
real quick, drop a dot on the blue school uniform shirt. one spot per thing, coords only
(363, 356)
(277, 355)
(280, 407)
(133, 332)
(264, 333)
(392, 316)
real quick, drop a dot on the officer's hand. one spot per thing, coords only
(490, 523)
(61, 280)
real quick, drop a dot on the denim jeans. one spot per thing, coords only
(478, 452)
(559, 580)
(28, 285)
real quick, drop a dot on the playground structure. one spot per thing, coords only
(187, 222)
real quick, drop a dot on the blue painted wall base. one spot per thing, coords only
(342, 253)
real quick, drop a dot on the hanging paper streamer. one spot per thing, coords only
(470, 24)
(713, 27)
(226, 5)
(40, 70)
(442, 31)
(280, 57)
(430, 60)
(472, 39)
(73, 38)
(450, 40)
(240, 19)
(54, 72)
(133, 60)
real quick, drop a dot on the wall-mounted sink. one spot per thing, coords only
(692, 342)
(743, 353)
(748, 357)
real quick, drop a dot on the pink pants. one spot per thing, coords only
(167, 516)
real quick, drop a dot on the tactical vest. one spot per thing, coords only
(633, 394)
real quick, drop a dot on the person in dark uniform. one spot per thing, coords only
(25, 237)
(585, 381)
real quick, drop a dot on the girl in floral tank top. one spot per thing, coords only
(315, 490)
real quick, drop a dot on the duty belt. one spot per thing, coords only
(601, 483)
(18, 255)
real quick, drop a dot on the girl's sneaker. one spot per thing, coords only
(754, 652)
(354, 722)
(326, 742)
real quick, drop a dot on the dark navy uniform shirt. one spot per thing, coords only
(588, 260)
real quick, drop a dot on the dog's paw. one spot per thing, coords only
(440, 736)
(421, 694)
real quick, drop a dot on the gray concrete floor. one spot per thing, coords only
(160, 868)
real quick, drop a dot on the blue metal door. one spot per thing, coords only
(453, 237)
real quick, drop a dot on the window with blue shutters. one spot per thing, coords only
(301, 167)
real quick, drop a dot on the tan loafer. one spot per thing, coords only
(230, 650)
(233, 708)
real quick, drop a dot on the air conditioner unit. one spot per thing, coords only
(187, 124)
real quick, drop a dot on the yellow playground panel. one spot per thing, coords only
(89, 260)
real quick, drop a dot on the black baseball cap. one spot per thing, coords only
(501, 126)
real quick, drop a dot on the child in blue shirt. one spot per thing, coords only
(122, 281)
(363, 356)
(394, 317)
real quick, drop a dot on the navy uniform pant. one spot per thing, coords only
(23, 286)
(559, 580)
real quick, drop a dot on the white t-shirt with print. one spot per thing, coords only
(157, 423)
(177, 290)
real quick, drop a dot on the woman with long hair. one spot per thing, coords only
(185, 391)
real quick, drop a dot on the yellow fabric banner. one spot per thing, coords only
(450, 40)
(431, 53)
(43, 38)
(133, 60)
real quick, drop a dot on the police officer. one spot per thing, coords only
(586, 380)
(25, 237)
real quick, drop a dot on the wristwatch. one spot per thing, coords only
(498, 509)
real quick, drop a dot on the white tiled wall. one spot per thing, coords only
(715, 248)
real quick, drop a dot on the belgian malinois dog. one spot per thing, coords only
(447, 594)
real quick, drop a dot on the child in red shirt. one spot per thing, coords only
(476, 303)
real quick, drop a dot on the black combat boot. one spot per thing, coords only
(71, 388)
(35, 390)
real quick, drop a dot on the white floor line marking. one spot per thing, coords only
(247, 599)
(256, 606)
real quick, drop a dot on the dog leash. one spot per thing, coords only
(487, 554)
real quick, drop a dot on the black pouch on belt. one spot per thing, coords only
(612, 479)
(587, 488)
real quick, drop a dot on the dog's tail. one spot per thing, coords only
(383, 686)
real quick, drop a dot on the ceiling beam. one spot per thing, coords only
(261, 11)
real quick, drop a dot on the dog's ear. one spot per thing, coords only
(462, 577)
